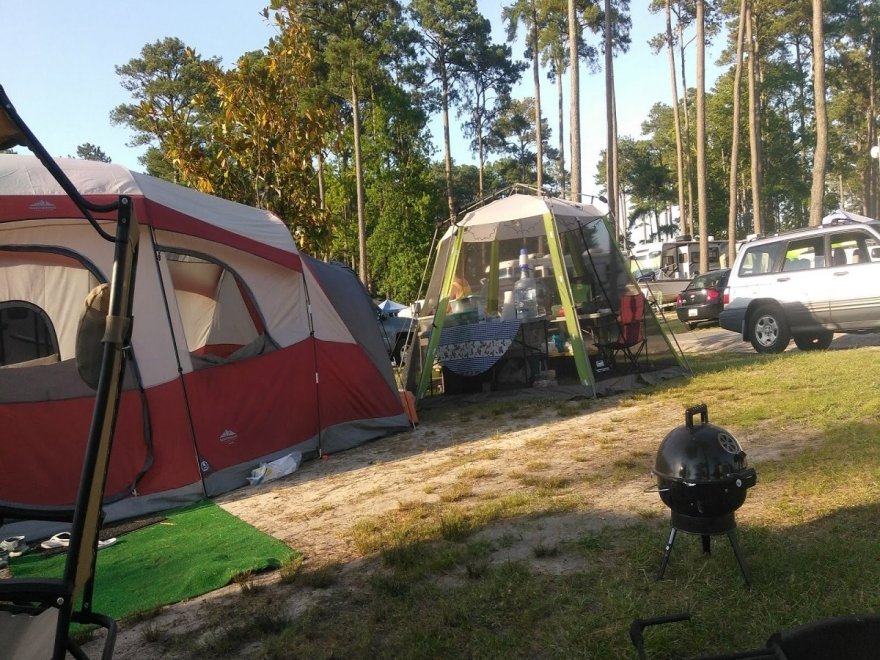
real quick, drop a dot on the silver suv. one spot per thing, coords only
(806, 284)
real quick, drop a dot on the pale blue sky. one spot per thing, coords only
(58, 67)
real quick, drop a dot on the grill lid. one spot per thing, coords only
(700, 453)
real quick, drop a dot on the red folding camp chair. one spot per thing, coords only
(631, 339)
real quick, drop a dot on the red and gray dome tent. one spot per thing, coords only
(243, 348)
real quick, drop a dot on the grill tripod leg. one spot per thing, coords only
(666, 553)
(707, 544)
(743, 567)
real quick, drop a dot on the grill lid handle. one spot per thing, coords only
(745, 478)
(693, 410)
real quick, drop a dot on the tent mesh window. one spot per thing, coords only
(219, 318)
(41, 294)
(26, 335)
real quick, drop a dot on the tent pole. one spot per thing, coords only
(572, 324)
(192, 430)
(440, 314)
(315, 360)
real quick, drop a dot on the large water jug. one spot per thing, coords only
(525, 291)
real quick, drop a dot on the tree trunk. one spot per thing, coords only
(872, 198)
(687, 135)
(754, 125)
(609, 119)
(561, 113)
(802, 118)
(679, 157)
(481, 156)
(359, 185)
(447, 148)
(702, 208)
(734, 143)
(322, 194)
(536, 77)
(618, 197)
(817, 193)
(575, 65)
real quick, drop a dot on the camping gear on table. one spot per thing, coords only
(525, 291)
(702, 476)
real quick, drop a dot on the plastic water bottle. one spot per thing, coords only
(525, 291)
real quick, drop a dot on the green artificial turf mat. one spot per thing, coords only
(196, 549)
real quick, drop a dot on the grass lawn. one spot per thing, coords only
(428, 589)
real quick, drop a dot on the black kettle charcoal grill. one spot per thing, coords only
(702, 476)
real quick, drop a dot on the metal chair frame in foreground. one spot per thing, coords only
(37, 612)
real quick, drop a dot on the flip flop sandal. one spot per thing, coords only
(106, 543)
(60, 540)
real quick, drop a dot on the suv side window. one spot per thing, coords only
(804, 254)
(759, 259)
(854, 247)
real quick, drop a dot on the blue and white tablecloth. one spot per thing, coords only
(471, 349)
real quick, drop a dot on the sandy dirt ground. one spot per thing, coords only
(315, 509)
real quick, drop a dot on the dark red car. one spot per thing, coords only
(703, 299)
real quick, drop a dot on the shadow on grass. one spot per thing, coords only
(520, 588)
(442, 598)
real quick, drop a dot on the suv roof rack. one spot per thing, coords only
(841, 217)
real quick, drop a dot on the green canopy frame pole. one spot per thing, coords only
(440, 313)
(572, 325)
(574, 249)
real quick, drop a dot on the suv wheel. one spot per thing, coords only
(814, 341)
(769, 330)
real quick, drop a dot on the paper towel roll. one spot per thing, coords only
(508, 309)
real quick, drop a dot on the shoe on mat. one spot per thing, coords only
(62, 540)
(14, 546)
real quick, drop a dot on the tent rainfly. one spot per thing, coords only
(581, 279)
(243, 348)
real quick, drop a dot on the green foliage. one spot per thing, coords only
(402, 198)
(490, 75)
(271, 125)
(515, 138)
(275, 129)
(89, 151)
(164, 82)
